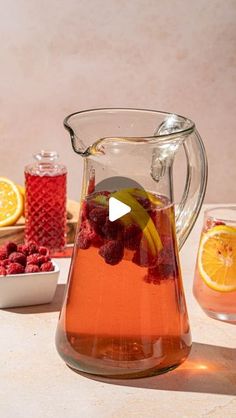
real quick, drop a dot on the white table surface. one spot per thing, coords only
(35, 382)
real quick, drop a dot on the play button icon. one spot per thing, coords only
(122, 196)
(117, 209)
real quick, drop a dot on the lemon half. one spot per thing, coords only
(11, 202)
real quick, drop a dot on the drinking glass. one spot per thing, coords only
(215, 274)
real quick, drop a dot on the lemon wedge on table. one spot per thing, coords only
(217, 258)
(11, 202)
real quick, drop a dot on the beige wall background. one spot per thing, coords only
(61, 56)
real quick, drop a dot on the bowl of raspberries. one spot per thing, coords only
(27, 275)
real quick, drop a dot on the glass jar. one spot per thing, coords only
(45, 201)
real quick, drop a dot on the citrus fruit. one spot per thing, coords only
(143, 220)
(22, 189)
(142, 193)
(11, 202)
(217, 258)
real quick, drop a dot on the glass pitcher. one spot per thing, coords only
(124, 313)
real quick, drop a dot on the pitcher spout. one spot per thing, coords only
(142, 144)
(90, 130)
(78, 145)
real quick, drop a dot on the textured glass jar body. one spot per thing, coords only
(45, 202)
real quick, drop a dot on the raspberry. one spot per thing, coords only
(18, 258)
(87, 236)
(88, 230)
(32, 268)
(32, 259)
(32, 248)
(167, 254)
(100, 200)
(210, 223)
(161, 220)
(98, 216)
(15, 268)
(10, 247)
(82, 241)
(112, 230)
(97, 241)
(160, 273)
(22, 248)
(3, 253)
(42, 259)
(5, 263)
(143, 258)
(112, 252)
(3, 271)
(47, 266)
(43, 251)
(145, 202)
(218, 223)
(91, 185)
(84, 210)
(132, 237)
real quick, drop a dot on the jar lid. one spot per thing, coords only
(45, 155)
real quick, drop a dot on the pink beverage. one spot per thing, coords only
(216, 304)
(215, 275)
(45, 202)
(124, 314)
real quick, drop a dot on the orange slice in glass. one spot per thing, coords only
(217, 258)
(11, 202)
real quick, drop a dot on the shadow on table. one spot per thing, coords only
(208, 369)
(54, 306)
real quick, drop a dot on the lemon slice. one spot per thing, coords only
(11, 202)
(141, 193)
(217, 258)
(141, 217)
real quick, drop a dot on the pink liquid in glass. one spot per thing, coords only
(45, 209)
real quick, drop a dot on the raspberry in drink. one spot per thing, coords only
(124, 314)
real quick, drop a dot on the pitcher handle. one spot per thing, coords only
(195, 187)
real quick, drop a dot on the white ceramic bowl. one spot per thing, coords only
(28, 288)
